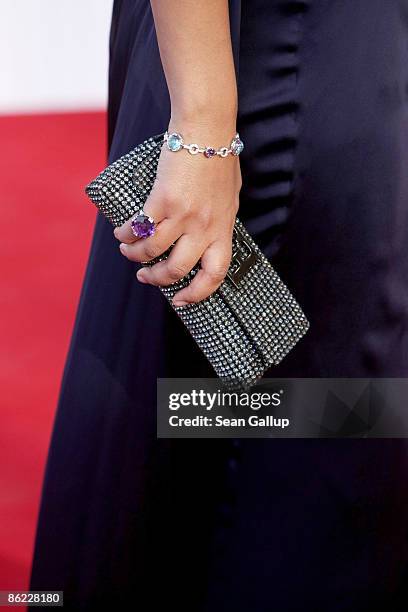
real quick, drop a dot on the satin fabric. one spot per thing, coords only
(287, 525)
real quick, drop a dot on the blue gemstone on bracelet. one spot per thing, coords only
(237, 146)
(174, 142)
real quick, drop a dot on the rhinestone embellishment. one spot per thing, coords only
(252, 321)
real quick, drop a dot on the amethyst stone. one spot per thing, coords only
(143, 226)
(209, 152)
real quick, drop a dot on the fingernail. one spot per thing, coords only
(122, 247)
(141, 277)
(179, 303)
(115, 232)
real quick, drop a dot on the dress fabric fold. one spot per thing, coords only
(237, 525)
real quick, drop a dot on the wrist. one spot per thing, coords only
(206, 111)
(175, 142)
(206, 98)
(213, 126)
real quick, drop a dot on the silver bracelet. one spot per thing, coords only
(175, 143)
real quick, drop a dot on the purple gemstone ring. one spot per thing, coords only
(142, 225)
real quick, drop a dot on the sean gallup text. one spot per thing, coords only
(219, 421)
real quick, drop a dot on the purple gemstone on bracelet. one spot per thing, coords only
(209, 152)
(143, 226)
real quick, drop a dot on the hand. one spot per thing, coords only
(194, 201)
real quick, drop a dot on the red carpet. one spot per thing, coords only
(47, 222)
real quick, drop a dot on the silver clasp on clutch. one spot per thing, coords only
(243, 258)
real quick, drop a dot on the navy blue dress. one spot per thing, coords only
(131, 522)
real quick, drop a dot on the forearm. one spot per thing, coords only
(193, 201)
(196, 52)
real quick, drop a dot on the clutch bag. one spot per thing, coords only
(252, 321)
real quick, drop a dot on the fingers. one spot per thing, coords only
(153, 208)
(214, 267)
(182, 259)
(167, 232)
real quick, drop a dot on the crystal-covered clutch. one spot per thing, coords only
(252, 321)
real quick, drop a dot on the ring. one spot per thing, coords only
(142, 225)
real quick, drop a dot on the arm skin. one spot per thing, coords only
(194, 199)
